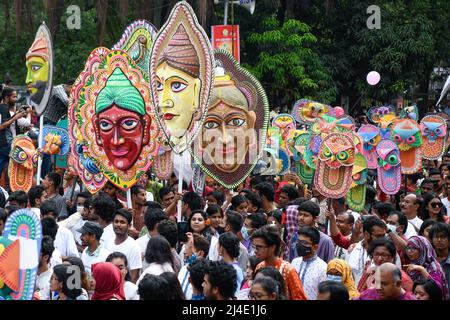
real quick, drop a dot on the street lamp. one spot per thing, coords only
(247, 4)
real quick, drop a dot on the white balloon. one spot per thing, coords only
(373, 78)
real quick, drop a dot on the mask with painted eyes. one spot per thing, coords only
(389, 171)
(306, 111)
(407, 136)
(434, 131)
(371, 137)
(23, 159)
(385, 125)
(286, 123)
(356, 196)
(376, 113)
(304, 171)
(333, 177)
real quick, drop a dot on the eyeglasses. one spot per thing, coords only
(257, 248)
(440, 237)
(411, 249)
(436, 204)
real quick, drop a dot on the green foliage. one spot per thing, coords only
(287, 64)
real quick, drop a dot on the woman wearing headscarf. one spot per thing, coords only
(108, 282)
(424, 264)
(339, 270)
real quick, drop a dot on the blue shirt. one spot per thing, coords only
(198, 297)
(239, 276)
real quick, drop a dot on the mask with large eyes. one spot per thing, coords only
(306, 111)
(376, 113)
(286, 123)
(434, 131)
(407, 136)
(304, 171)
(333, 175)
(410, 112)
(371, 137)
(24, 157)
(385, 125)
(356, 197)
(389, 171)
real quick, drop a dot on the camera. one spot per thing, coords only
(24, 108)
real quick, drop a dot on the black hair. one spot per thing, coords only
(402, 219)
(152, 217)
(84, 194)
(371, 193)
(165, 191)
(235, 220)
(11, 209)
(219, 196)
(7, 92)
(3, 215)
(310, 207)
(223, 277)
(254, 261)
(383, 208)
(169, 230)
(153, 287)
(351, 218)
(370, 222)
(47, 207)
(336, 289)
(270, 236)
(276, 214)
(427, 180)
(258, 220)
(254, 199)
(193, 201)
(176, 293)
(63, 273)
(255, 180)
(312, 233)
(439, 228)
(197, 272)
(47, 247)
(269, 285)
(104, 207)
(204, 216)
(273, 273)
(230, 243)
(55, 178)
(124, 213)
(266, 189)
(426, 224)
(49, 227)
(20, 196)
(120, 255)
(434, 171)
(430, 287)
(291, 191)
(136, 189)
(297, 202)
(213, 209)
(153, 205)
(382, 242)
(236, 201)
(158, 250)
(427, 198)
(201, 244)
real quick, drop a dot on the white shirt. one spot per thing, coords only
(74, 222)
(417, 222)
(89, 259)
(446, 203)
(130, 249)
(108, 234)
(130, 291)
(142, 242)
(65, 242)
(186, 286)
(410, 231)
(43, 284)
(311, 273)
(155, 269)
(37, 211)
(55, 258)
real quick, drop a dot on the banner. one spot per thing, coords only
(226, 38)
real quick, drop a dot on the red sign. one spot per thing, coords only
(227, 38)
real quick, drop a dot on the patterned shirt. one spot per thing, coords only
(372, 294)
(311, 273)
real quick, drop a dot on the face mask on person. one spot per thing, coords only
(332, 277)
(80, 209)
(245, 233)
(190, 260)
(303, 250)
(392, 228)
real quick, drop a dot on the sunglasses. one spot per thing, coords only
(436, 205)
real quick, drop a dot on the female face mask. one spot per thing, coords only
(332, 277)
(303, 250)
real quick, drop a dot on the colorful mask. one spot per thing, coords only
(434, 131)
(116, 120)
(385, 125)
(229, 145)
(164, 163)
(407, 136)
(389, 169)
(137, 41)
(410, 112)
(376, 113)
(181, 77)
(305, 172)
(371, 137)
(286, 123)
(306, 111)
(21, 168)
(39, 61)
(333, 176)
(56, 141)
(20, 248)
(290, 141)
(356, 196)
